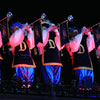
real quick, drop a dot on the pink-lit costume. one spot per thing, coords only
(80, 46)
(0, 54)
(23, 62)
(49, 50)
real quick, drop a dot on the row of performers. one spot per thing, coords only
(56, 62)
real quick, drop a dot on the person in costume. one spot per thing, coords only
(50, 51)
(95, 55)
(1, 58)
(22, 41)
(80, 45)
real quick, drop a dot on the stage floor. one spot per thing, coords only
(12, 91)
(33, 97)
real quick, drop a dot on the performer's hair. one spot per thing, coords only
(18, 24)
(46, 25)
(73, 32)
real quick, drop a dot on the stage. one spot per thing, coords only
(12, 91)
(37, 97)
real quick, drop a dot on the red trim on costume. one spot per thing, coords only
(28, 43)
(24, 65)
(78, 68)
(59, 64)
(1, 58)
(52, 63)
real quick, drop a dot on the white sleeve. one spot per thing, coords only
(0, 40)
(90, 43)
(75, 43)
(16, 38)
(31, 38)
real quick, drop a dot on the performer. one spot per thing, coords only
(80, 46)
(97, 41)
(50, 51)
(1, 58)
(95, 54)
(22, 41)
(7, 71)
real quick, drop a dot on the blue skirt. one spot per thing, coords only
(25, 74)
(84, 77)
(51, 74)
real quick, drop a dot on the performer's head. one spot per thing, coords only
(46, 24)
(73, 32)
(15, 26)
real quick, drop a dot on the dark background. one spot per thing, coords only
(84, 13)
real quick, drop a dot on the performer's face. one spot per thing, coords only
(44, 28)
(73, 34)
(15, 28)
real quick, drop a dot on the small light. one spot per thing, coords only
(70, 18)
(43, 16)
(37, 86)
(9, 14)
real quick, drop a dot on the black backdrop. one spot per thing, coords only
(85, 14)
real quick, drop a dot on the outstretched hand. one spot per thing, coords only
(26, 27)
(52, 28)
(86, 31)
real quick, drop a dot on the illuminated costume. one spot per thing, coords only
(50, 50)
(81, 45)
(95, 55)
(0, 55)
(21, 45)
